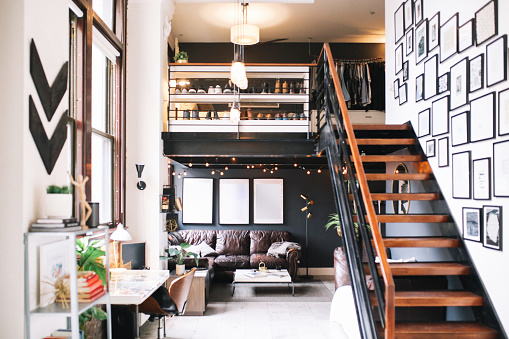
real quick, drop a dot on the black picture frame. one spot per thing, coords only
(418, 11)
(476, 73)
(430, 148)
(396, 88)
(459, 84)
(398, 61)
(503, 112)
(423, 128)
(399, 23)
(440, 116)
(482, 178)
(466, 35)
(409, 38)
(421, 41)
(496, 61)
(462, 175)
(409, 14)
(460, 129)
(419, 88)
(443, 152)
(500, 169)
(405, 70)
(486, 22)
(430, 77)
(449, 38)
(434, 32)
(472, 224)
(403, 94)
(444, 83)
(493, 227)
(482, 118)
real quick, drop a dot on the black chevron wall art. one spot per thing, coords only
(50, 97)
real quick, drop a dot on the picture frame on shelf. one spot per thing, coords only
(440, 116)
(476, 67)
(443, 152)
(409, 38)
(443, 83)
(419, 88)
(466, 36)
(398, 61)
(430, 148)
(486, 22)
(399, 23)
(459, 129)
(461, 175)
(418, 12)
(500, 169)
(396, 88)
(496, 61)
(403, 94)
(449, 38)
(459, 84)
(482, 178)
(472, 224)
(409, 14)
(424, 123)
(421, 41)
(53, 264)
(434, 32)
(405, 71)
(493, 227)
(503, 112)
(482, 118)
(430, 77)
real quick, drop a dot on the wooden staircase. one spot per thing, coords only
(376, 143)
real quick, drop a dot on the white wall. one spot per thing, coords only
(490, 264)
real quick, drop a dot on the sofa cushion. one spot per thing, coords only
(196, 237)
(233, 242)
(231, 262)
(270, 261)
(261, 240)
(207, 251)
(175, 238)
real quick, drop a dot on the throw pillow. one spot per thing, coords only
(194, 249)
(207, 251)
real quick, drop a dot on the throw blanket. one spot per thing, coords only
(279, 249)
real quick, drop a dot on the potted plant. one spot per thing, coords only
(181, 57)
(179, 254)
(58, 202)
(91, 320)
(90, 255)
(334, 221)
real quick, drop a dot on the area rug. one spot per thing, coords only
(305, 291)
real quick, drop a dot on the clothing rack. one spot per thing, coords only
(361, 61)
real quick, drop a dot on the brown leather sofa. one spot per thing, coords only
(237, 249)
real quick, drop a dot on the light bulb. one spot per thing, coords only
(233, 159)
(206, 164)
(221, 173)
(185, 173)
(173, 173)
(252, 166)
(226, 168)
(234, 115)
(190, 164)
(275, 168)
(265, 170)
(308, 172)
(271, 172)
(173, 83)
(213, 172)
(238, 74)
(179, 176)
(294, 165)
(247, 166)
(319, 171)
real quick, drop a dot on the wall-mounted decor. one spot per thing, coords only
(500, 169)
(54, 265)
(401, 186)
(430, 77)
(409, 38)
(430, 148)
(496, 61)
(403, 94)
(440, 116)
(492, 220)
(459, 84)
(419, 14)
(503, 112)
(405, 71)
(449, 38)
(443, 83)
(421, 41)
(482, 179)
(50, 98)
(396, 88)
(198, 200)
(409, 14)
(459, 129)
(443, 152)
(482, 118)
(461, 175)
(419, 88)
(424, 126)
(486, 22)
(399, 58)
(234, 201)
(476, 66)
(434, 29)
(268, 201)
(466, 36)
(472, 224)
(399, 23)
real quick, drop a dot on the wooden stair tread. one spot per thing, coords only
(428, 268)
(436, 242)
(397, 176)
(444, 330)
(403, 196)
(410, 218)
(382, 141)
(376, 127)
(391, 158)
(434, 298)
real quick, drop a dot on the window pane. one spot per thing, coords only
(104, 8)
(99, 89)
(102, 187)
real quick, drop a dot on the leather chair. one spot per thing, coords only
(168, 302)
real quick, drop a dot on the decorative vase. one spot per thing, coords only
(180, 269)
(58, 206)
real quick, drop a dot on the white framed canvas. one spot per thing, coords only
(459, 84)
(234, 201)
(472, 224)
(482, 179)
(496, 61)
(430, 77)
(399, 23)
(268, 201)
(53, 263)
(443, 152)
(449, 38)
(503, 112)
(424, 129)
(466, 35)
(398, 61)
(500, 169)
(409, 14)
(434, 30)
(459, 129)
(482, 118)
(197, 200)
(493, 226)
(486, 22)
(421, 41)
(461, 178)
(476, 66)
(440, 116)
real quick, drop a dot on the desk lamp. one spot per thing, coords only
(118, 236)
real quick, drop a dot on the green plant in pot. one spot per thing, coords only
(179, 254)
(58, 202)
(334, 222)
(89, 257)
(181, 57)
(93, 314)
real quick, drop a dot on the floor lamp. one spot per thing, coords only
(308, 215)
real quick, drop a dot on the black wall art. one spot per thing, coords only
(50, 97)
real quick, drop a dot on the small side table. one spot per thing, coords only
(198, 295)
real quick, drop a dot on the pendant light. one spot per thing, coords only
(243, 33)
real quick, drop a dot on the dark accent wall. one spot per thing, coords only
(296, 182)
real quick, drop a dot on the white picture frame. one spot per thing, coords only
(431, 77)
(443, 152)
(268, 201)
(403, 94)
(449, 38)
(409, 41)
(496, 61)
(482, 118)
(492, 221)
(424, 123)
(430, 148)
(472, 224)
(440, 116)
(398, 61)
(486, 23)
(466, 36)
(434, 32)
(476, 68)
(461, 178)
(459, 129)
(409, 14)
(503, 112)
(419, 88)
(197, 200)
(399, 23)
(53, 263)
(234, 201)
(500, 169)
(459, 84)
(421, 41)
(482, 178)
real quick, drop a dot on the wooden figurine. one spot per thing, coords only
(82, 197)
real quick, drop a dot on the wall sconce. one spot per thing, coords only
(141, 184)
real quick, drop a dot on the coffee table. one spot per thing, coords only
(250, 276)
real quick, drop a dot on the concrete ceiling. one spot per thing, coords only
(321, 20)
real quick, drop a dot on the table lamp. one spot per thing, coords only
(118, 236)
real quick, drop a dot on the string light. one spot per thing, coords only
(233, 159)
(264, 170)
(226, 168)
(173, 173)
(271, 172)
(294, 165)
(247, 166)
(213, 172)
(319, 171)
(179, 176)
(275, 168)
(206, 164)
(185, 173)
(308, 172)
(252, 166)
(221, 173)
(190, 164)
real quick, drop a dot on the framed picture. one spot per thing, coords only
(419, 88)
(496, 61)
(409, 38)
(459, 84)
(419, 15)
(492, 220)
(409, 14)
(403, 94)
(486, 22)
(472, 224)
(268, 201)
(466, 36)
(500, 169)
(430, 77)
(476, 66)
(449, 38)
(482, 118)
(430, 148)
(399, 23)
(443, 83)
(461, 175)
(503, 112)
(198, 200)
(396, 88)
(53, 263)
(234, 201)
(421, 41)
(440, 116)
(398, 62)
(482, 179)
(459, 129)
(434, 30)
(443, 152)
(405, 71)
(424, 128)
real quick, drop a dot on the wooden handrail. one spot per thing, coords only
(366, 195)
